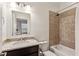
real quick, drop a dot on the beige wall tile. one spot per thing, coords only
(53, 28)
(67, 28)
(62, 28)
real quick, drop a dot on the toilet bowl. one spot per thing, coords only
(49, 53)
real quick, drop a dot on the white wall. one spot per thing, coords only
(40, 22)
(0, 27)
(6, 18)
(77, 31)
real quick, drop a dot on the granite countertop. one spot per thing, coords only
(19, 44)
(7, 46)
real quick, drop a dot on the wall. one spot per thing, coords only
(0, 27)
(77, 30)
(53, 28)
(7, 21)
(67, 28)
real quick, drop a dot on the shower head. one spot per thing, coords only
(57, 14)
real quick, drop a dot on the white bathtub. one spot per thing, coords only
(62, 50)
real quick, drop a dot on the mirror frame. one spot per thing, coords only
(14, 25)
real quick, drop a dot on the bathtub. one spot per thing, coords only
(62, 50)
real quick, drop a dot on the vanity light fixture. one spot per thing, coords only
(23, 5)
(20, 4)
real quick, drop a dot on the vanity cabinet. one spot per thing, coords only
(26, 51)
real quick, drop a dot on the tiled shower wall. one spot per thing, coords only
(62, 28)
(67, 28)
(53, 28)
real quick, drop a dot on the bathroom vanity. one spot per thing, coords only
(21, 45)
(26, 47)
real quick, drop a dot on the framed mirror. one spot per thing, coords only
(20, 23)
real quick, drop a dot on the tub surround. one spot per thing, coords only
(67, 28)
(53, 28)
(62, 28)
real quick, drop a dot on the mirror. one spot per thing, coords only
(21, 23)
(21, 27)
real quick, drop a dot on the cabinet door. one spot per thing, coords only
(28, 51)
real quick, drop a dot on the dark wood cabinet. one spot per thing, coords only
(27, 51)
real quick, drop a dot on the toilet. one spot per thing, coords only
(45, 50)
(49, 53)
